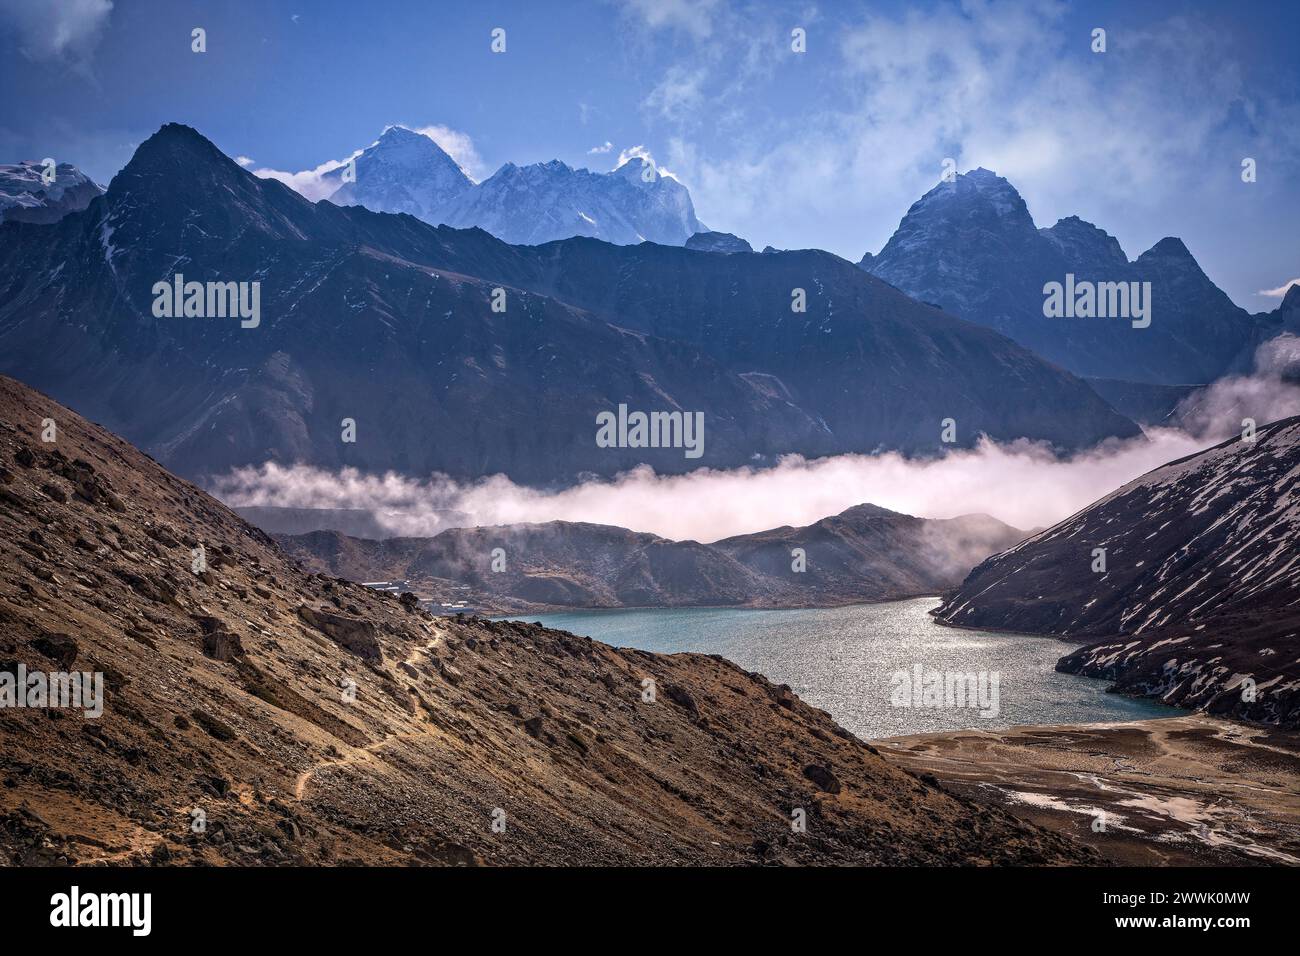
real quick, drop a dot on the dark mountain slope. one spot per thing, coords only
(871, 553)
(971, 247)
(1202, 572)
(1145, 404)
(1285, 319)
(306, 720)
(350, 329)
(879, 368)
(723, 242)
(388, 321)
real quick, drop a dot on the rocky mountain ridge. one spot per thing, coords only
(456, 353)
(26, 197)
(971, 247)
(1191, 573)
(405, 171)
(864, 554)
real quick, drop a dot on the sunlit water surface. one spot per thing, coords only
(842, 660)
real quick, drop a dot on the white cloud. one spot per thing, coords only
(65, 30)
(1280, 291)
(244, 161)
(310, 183)
(707, 505)
(710, 504)
(634, 152)
(679, 94)
(1270, 392)
(600, 149)
(693, 17)
(640, 152)
(1120, 138)
(459, 146)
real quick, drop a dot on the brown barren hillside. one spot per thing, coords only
(226, 705)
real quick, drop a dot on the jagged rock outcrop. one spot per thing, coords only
(724, 242)
(971, 247)
(350, 633)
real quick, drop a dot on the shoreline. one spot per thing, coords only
(571, 609)
(1189, 791)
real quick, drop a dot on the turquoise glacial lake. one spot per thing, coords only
(849, 661)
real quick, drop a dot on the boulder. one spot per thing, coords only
(54, 492)
(450, 674)
(222, 646)
(59, 648)
(822, 778)
(680, 697)
(352, 634)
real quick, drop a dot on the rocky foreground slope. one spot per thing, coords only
(1200, 590)
(863, 554)
(258, 714)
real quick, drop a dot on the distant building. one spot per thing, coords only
(391, 587)
(432, 605)
(449, 608)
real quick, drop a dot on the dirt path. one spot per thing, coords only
(367, 753)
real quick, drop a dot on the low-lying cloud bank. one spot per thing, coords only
(1021, 482)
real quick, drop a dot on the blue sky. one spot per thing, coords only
(826, 148)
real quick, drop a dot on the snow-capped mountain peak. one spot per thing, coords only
(971, 247)
(26, 197)
(398, 144)
(529, 205)
(402, 171)
(639, 171)
(405, 171)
